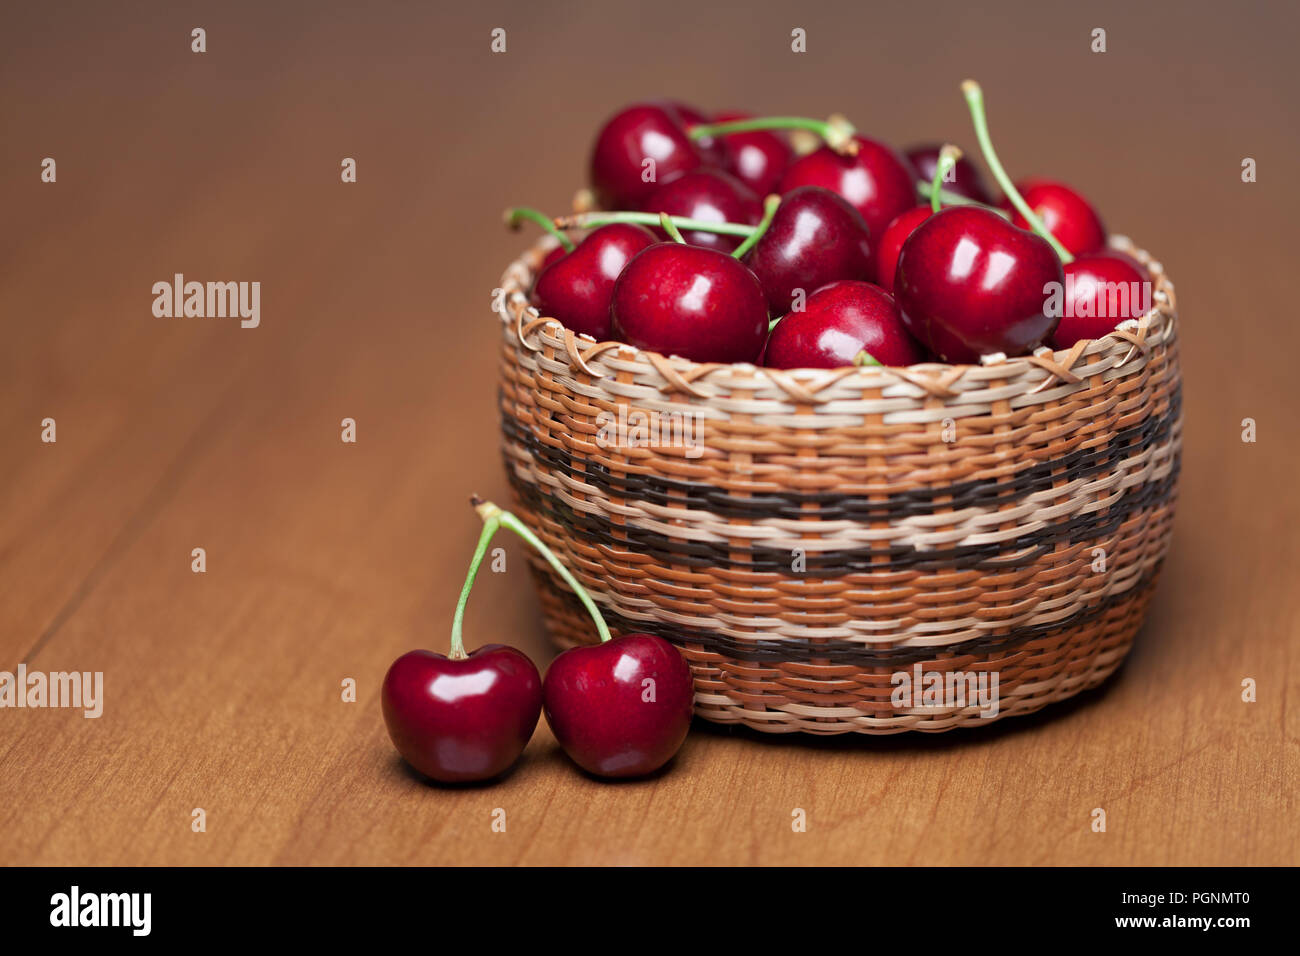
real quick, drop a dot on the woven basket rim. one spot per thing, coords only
(513, 308)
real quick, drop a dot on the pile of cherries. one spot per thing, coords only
(859, 254)
(620, 708)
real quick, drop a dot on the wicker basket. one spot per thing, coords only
(827, 531)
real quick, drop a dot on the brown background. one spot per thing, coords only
(326, 560)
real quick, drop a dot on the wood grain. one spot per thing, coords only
(326, 560)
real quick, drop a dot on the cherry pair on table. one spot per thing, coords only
(620, 708)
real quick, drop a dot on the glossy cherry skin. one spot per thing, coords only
(1123, 256)
(839, 321)
(967, 180)
(712, 196)
(891, 244)
(577, 288)
(640, 132)
(1068, 216)
(758, 158)
(815, 237)
(879, 182)
(1102, 291)
(697, 303)
(462, 720)
(969, 283)
(621, 708)
(554, 255)
(711, 149)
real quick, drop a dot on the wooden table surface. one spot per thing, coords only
(326, 560)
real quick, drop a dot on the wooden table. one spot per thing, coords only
(325, 559)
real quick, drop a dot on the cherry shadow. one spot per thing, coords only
(398, 767)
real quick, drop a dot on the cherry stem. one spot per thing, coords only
(837, 131)
(457, 642)
(515, 216)
(494, 517)
(975, 101)
(865, 358)
(769, 210)
(666, 222)
(590, 220)
(948, 157)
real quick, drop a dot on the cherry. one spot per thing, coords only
(698, 303)
(1100, 292)
(877, 181)
(969, 283)
(967, 180)
(577, 288)
(711, 148)
(707, 195)
(891, 243)
(621, 708)
(645, 131)
(559, 252)
(838, 324)
(1123, 256)
(1066, 215)
(758, 158)
(462, 719)
(815, 237)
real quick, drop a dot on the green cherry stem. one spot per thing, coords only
(837, 131)
(490, 526)
(666, 222)
(494, 517)
(590, 220)
(864, 358)
(926, 190)
(975, 101)
(769, 210)
(948, 157)
(515, 216)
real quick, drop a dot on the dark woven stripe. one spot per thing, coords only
(662, 549)
(837, 506)
(839, 651)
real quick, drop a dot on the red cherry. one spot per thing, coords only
(462, 720)
(969, 283)
(877, 181)
(815, 237)
(758, 158)
(1123, 256)
(709, 195)
(577, 288)
(555, 255)
(967, 179)
(1067, 215)
(840, 321)
(626, 141)
(621, 708)
(711, 149)
(891, 243)
(1101, 292)
(697, 303)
